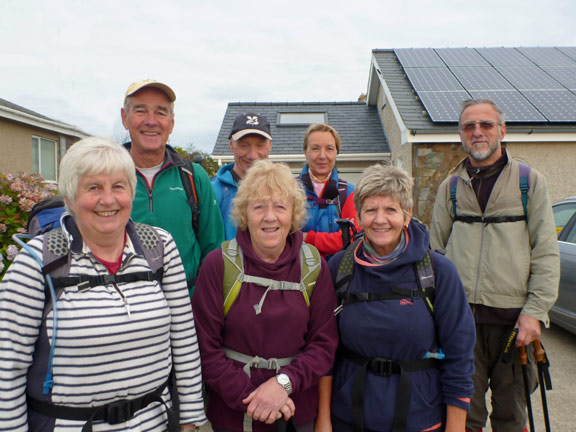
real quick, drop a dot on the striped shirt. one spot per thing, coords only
(114, 342)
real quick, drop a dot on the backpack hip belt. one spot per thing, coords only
(112, 413)
(258, 363)
(384, 367)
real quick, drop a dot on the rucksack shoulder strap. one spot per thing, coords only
(453, 189)
(310, 266)
(524, 186)
(233, 272)
(342, 193)
(346, 269)
(426, 282)
(187, 177)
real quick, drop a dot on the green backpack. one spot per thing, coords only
(234, 275)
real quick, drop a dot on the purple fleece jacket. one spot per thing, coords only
(286, 327)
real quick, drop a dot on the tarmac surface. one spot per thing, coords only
(560, 346)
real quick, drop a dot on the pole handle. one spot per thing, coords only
(523, 355)
(539, 352)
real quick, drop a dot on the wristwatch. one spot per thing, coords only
(284, 381)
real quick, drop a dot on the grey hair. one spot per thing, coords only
(480, 101)
(384, 180)
(92, 156)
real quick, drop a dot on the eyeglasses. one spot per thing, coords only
(485, 125)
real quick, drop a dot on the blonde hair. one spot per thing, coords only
(322, 127)
(266, 180)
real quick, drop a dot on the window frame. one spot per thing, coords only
(281, 123)
(37, 144)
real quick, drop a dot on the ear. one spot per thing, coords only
(231, 146)
(502, 131)
(124, 118)
(408, 217)
(70, 206)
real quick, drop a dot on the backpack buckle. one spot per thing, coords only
(381, 367)
(415, 293)
(119, 412)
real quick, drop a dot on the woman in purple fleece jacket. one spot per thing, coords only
(270, 208)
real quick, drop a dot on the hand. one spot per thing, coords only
(268, 402)
(529, 329)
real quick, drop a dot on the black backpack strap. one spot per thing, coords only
(187, 177)
(384, 367)
(424, 271)
(342, 193)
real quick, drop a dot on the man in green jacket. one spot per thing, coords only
(503, 242)
(161, 199)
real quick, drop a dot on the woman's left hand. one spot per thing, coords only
(266, 402)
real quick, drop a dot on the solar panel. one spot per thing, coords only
(529, 78)
(504, 57)
(547, 56)
(461, 57)
(513, 104)
(418, 57)
(569, 51)
(443, 106)
(564, 75)
(432, 79)
(480, 78)
(558, 106)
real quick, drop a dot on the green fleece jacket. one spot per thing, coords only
(503, 265)
(165, 205)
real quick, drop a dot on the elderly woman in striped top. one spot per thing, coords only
(106, 341)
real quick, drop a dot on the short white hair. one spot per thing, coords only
(92, 156)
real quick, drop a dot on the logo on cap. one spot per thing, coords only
(252, 120)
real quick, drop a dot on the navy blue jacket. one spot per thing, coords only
(405, 330)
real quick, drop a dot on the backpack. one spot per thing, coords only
(55, 264)
(234, 275)
(46, 214)
(524, 184)
(423, 270)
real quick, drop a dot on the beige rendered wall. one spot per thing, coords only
(401, 154)
(16, 145)
(557, 161)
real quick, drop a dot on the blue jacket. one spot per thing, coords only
(225, 188)
(405, 330)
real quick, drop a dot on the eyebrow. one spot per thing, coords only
(157, 107)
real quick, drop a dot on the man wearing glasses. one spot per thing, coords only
(493, 217)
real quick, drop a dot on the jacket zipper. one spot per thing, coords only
(124, 299)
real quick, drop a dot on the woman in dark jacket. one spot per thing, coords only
(406, 330)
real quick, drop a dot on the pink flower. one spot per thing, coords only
(2, 228)
(5, 199)
(11, 252)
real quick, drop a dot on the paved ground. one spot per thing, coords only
(561, 348)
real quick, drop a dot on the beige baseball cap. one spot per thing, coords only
(139, 85)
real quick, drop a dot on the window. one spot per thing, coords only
(562, 214)
(300, 118)
(45, 156)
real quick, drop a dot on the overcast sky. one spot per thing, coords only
(73, 60)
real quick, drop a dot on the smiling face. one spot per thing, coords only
(481, 134)
(269, 223)
(321, 154)
(383, 220)
(102, 207)
(247, 150)
(150, 121)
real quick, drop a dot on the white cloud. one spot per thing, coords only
(72, 60)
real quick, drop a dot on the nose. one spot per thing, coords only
(150, 118)
(107, 197)
(380, 217)
(477, 130)
(252, 153)
(270, 215)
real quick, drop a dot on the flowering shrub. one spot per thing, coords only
(18, 194)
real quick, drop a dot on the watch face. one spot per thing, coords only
(283, 379)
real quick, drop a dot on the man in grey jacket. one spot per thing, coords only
(503, 242)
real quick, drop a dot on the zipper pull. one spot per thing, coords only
(124, 299)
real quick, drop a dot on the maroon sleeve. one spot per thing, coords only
(220, 373)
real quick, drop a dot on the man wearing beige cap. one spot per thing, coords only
(171, 193)
(250, 141)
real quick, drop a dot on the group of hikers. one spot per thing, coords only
(165, 300)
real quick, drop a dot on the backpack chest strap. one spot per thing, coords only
(271, 285)
(257, 362)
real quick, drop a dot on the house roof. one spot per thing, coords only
(20, 114)
(357, 123)
(393, 73)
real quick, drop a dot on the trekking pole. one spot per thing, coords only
(523, 356)
(542, 363)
